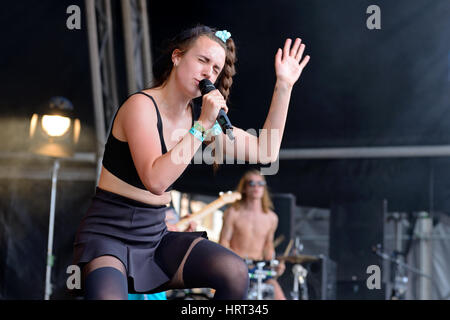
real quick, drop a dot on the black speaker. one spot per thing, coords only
(284, 207)
(321, 279)
(354, 229)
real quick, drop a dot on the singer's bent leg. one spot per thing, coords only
(200, 263)
(211, 265)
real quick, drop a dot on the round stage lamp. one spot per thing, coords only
(54, 130)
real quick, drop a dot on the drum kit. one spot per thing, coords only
(261, 271)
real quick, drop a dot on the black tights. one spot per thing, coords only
(208, 265)
(106, 283)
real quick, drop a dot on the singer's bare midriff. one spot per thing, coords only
(110, 182)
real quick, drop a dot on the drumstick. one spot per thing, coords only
(278, 241)
(288, 248)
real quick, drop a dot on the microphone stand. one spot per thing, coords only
(398, 263)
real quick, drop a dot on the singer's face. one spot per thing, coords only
(205, 59)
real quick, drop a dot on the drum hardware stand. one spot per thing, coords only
(300, 274)
(260, 275)
(298, 247)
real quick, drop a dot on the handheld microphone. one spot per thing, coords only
(207, 86)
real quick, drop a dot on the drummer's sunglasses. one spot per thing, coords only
(252, 183)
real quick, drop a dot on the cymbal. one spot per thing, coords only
(299, 258)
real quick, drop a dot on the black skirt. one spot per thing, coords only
(129, 230)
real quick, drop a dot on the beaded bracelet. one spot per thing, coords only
(197, 134)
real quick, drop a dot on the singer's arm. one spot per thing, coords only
(266, 147)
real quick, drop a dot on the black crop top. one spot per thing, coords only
(117, 156)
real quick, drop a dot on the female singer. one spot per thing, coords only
(123, 244)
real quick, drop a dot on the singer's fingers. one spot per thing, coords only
(300, 52)
(215, 93)
(218, 98)
(295, 47)
(278, 56)
(304, 62)
(225, 108)
(287, 46)
(214, 97)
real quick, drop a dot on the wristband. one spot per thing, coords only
(196, 134)
(215, 130)
(199, 127)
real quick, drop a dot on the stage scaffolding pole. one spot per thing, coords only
(147, 55)
(129, 46)
(137, 44)
(96, 80)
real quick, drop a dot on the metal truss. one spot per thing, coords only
(101, 51)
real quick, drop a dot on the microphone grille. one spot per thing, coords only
(206, 86)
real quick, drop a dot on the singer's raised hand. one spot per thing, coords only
(289, 63)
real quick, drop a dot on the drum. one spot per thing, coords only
(261, 268)
(259, 272)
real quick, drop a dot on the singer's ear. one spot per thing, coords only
(176, 56)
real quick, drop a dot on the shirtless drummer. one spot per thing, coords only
(249, 225)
